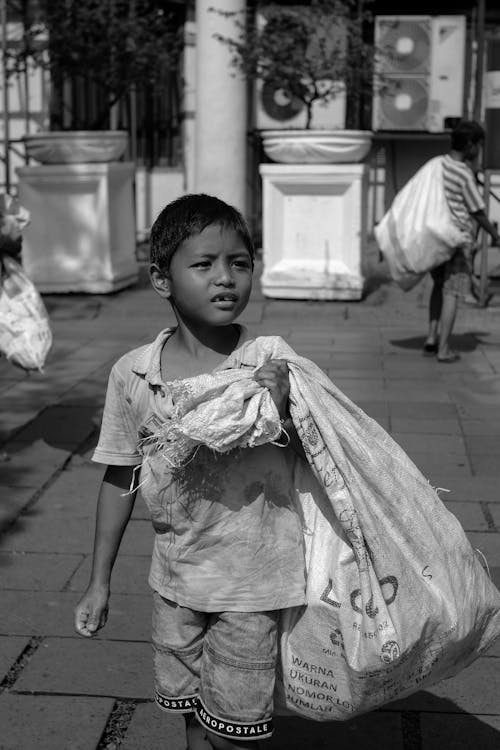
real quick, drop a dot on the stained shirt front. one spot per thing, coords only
(228, 528)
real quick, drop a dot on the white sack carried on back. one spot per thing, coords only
(396, 597)
(25, 333)
(418, 232)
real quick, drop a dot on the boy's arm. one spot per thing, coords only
(486, 224)
(113, 513)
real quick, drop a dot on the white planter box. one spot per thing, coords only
(76, 146)
(82, 232)
(317, 146)
(314, 230)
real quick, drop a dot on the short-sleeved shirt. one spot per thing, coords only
(462, 193)
(228, 528)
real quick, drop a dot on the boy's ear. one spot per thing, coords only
(160, 281)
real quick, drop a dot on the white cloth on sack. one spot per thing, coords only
(419, 231)
(223, 411)
(396, 597)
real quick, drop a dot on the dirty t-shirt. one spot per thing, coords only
(228, 529)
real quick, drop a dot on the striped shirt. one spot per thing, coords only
(462, 193)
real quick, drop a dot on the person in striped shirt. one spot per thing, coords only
(452, 280)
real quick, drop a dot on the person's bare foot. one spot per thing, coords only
(448, 356)
(430, 347)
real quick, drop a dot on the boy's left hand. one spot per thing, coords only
(274, 376)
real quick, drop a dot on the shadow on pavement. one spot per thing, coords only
(81, 307)
(462, 342)
(422, 721)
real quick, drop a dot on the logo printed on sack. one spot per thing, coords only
(370, 610)
(310, 432)
(350, 524)
(325, 596)
(337, 638)
(389, 652)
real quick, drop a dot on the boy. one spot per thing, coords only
(228, 552)
(452, 279)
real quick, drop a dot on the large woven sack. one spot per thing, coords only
(397, 599)
(25, 334)
(418, 232)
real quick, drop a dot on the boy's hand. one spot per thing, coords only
(91, 612)
(274, 376)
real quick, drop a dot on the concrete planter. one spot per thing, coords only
(81, 237)
(76, 146)
(317, 146)
(314, 230)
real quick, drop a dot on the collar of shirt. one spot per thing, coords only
(148, 363)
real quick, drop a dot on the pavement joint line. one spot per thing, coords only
(75, 637)
(69, 694)
(66, 586)
(488, 515)
(11, 436)
(22, 660)
(468, 456)
(104, 363)
(117, 724)
(38, 493)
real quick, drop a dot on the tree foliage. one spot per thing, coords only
(311, 51)
(114, 44)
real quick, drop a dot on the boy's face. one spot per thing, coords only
(210, 277)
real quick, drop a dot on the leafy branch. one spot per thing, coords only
(115, 44)
(310, 52)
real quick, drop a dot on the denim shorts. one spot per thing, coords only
(221, 665)
(454, 275)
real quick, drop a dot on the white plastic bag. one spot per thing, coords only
(25, 334)
(397, 599)
(418, 232)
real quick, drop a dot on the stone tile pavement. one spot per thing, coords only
(60, 692)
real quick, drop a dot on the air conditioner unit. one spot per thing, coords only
(274, 109)
(419, 72)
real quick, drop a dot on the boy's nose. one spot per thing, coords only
(224, 276)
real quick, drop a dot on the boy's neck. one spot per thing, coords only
(198, 342)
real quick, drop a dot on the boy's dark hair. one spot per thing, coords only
(465, 133)
(190, 215)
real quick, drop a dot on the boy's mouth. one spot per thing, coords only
(227, 297)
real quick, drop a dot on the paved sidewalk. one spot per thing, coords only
(61, 692)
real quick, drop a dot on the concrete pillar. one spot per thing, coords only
(221, 108)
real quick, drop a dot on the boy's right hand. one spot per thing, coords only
(91, 612)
